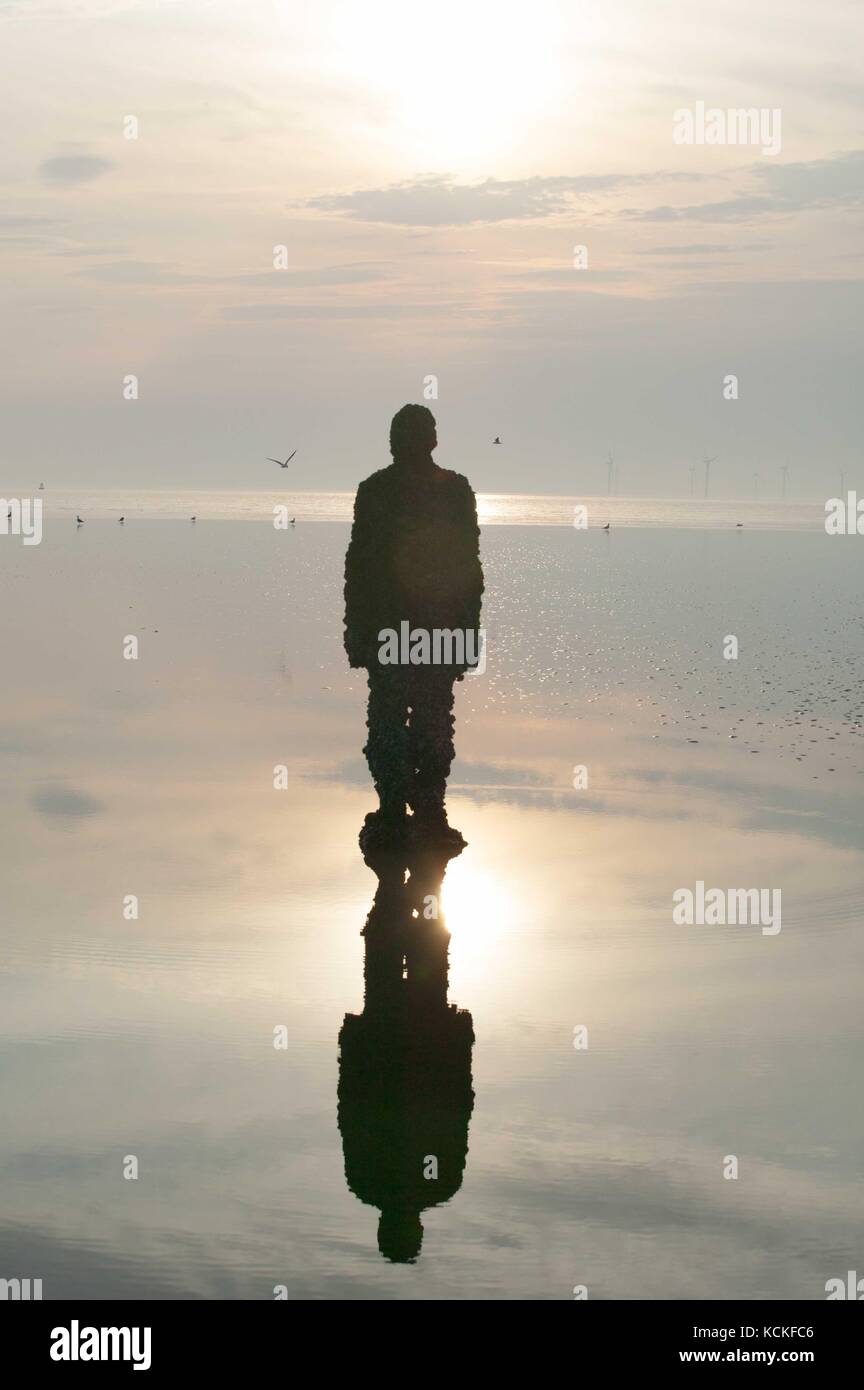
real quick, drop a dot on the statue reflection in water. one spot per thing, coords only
(405, 1095)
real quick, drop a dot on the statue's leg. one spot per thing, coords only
(387, 747)
(432, 749)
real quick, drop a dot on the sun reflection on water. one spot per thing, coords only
(478, 910)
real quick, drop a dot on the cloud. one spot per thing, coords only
(13, 220)
(89, 251)
(782, 188)
(732, 210)
(27, 231)
(818, 182)
(64, 801)
(436, 201)
(136, 273)
(566, 277)
(354, 273)
(74, 168)
(701, 248)
(340, 311)
(151, 273)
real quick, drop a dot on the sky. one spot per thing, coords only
(429, 170)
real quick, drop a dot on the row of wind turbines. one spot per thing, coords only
(611, 476)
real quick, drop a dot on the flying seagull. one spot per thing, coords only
(279, 461)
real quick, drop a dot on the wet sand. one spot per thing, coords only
(154, 1037)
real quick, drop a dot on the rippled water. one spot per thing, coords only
(602, 1167)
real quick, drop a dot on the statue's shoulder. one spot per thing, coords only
(457, 482)
(374, 493)
(378, 483)
(458, 489)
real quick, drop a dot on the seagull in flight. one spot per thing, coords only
(279, 461)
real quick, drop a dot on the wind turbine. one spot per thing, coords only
(692, 479)
(708, 462)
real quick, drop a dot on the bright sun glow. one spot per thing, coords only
(460, 79)
(478, 911)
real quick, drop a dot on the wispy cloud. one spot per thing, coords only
(152, 273)
(27, 231)
(781, 188)
(341, 311)
(59, 800)
(702, 248)
(13, 220)
(437, 201)
(74, 168)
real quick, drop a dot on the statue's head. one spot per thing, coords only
(412, 435)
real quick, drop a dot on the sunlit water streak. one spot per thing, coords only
(494, 509)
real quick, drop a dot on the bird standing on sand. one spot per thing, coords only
(121, 520)
(279, 461)
(496, 440)
(293, 519)
(79, 519)
(606, 527)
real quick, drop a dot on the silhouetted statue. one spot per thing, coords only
(413, 565)
(405, 1096)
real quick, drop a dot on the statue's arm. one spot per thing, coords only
(360, 567)
(472, 568)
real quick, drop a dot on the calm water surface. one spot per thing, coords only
(601, 1167)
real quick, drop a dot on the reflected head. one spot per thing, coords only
(400, 1234)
